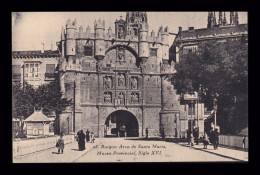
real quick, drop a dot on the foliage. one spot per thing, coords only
(222, 68)
(47, 96)
(22, 100)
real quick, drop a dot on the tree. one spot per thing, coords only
(221, 68)
(22, 100)
(48, 97)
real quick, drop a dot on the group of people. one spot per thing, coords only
(80, 137)
(213, 138)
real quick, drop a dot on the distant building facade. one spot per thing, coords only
(34, 67)
(187, 40)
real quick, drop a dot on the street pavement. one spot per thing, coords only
(134, 150)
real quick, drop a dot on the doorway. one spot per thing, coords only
(121, 123)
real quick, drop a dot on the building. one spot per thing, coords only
(187, 41)
(119, 81)
(37, 125)
(34, 67)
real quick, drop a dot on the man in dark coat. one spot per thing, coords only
(211, 136)
(81, 141)
(163, 134)
(216, 138)
(189, 136)
(87, 135)
(146, 132)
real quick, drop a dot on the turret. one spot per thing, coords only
(62, 42)
(143, 50)
(109, 32)
(236, 18)
(224, 20)
(70, 38)
(88, 31)
(81, 32)
(220, 19)
(99, 39)
(232, 22)
(214, 19)
(165, 49)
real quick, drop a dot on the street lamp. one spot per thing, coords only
(68, 119)
(215, 110)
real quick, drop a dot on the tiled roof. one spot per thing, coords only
(37, 116)
(36, 53)
(215, 31)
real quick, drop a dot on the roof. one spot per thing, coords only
(214, 31)
(37, 116)
(35, 53)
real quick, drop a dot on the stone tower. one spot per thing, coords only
(134, 21)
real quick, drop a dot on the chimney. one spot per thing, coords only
(180, 30)
(191, 28)
(51, 47)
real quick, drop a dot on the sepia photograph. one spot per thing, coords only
(133, 86)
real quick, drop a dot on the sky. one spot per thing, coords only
(30, 29)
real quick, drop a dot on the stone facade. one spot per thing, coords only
(106, 72)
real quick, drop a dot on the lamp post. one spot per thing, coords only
(215, 111)
(68, 119)
(192, 124)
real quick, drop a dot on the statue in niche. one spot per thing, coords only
(134, 83)
(121, 98)
(121, 80)
(107, 82)
(121, 54)
(107, 98)
(120, 32)
(134, 98)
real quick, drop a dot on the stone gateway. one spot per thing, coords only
(119, 82)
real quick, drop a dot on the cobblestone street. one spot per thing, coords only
(134, 150)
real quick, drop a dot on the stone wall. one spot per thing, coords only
(23, 147)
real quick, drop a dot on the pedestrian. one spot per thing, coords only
(205, 140)
(188, 136)
(146, 132)
(87, 135)
(163, 134)
(60, 144)
(216, 138)
(191, 139)
(92, 136)
(81, 141)
(244, 142)
(211, 136)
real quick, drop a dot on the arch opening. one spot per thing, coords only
(121, 123)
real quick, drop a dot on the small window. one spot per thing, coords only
(88, 50)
